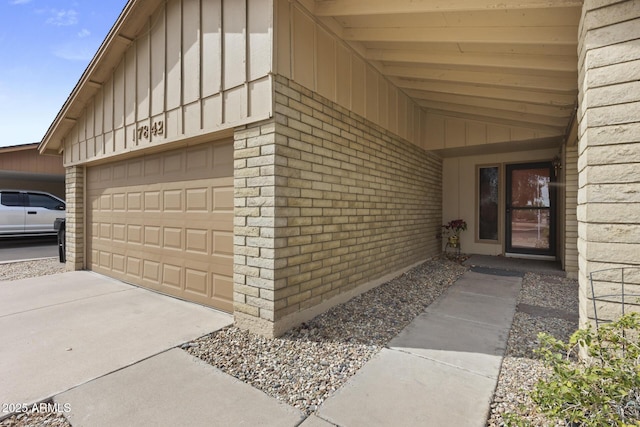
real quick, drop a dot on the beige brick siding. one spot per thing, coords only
(326, 204)
(254, 225)
(608, 210)
(570, 167)
(75, 183)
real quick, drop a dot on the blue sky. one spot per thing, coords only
(45, 46)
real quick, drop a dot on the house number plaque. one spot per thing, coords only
(144, 132)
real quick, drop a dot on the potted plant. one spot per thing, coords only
(452, 229)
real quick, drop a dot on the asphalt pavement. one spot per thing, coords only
(25, 248)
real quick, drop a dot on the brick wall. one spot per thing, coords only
(570, 167)
(327, 205)
(75, 218)
(609, 146)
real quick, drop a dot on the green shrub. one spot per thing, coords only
(601, 388)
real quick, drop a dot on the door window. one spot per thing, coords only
(530, 217)
(488, 188)
(11, 199)
(44, 201)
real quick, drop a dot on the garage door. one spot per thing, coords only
(165, 222)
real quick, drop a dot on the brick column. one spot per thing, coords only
(254, 227)
(75, 183)
(609, 146)
(570, 167)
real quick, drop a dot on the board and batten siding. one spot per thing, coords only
(197, 67)
(441, 132)
(310, 55)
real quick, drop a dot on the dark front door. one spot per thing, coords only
(530, 215)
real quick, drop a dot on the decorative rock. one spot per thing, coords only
(316, 358)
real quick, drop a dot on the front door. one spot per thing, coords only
(530, 215)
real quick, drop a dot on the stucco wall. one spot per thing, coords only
(609, 147)
(327, 204)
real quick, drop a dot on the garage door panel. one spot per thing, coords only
(222, 221)
(119, 202)
(223, 287)
(119, 232)
(166, 222)
(134, 201)
(196, 282)
(152, 201)
(133, 267)
(197, 241)
(134, 233)
(197, 200)
(105, 175)
(134, 169)
(172, 200)
(173, 162)
(222, 242)
(172, 238)
(118, 263)
(105, 231)
(151, 271)
(172, 275)
(152, 235)
(223, 264)
(105, 202)
(105, 259)
(222, 198)
(152, 166)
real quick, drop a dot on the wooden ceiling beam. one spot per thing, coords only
(529, 96)
(481, 115)
(516, 81)
(561, 112)
(381, 7)
(556, 123)
(562, 64)
(558, 35)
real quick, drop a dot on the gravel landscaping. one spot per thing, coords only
(26, 269)
(557, 301)
(36, 419)
(306, 365)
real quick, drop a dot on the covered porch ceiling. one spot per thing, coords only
(506, 62)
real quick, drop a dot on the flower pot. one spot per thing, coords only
(454, 241)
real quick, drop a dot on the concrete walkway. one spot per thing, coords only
(440, 371)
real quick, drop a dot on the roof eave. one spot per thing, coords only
(132, 18)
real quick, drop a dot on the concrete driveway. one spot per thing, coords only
(60, 331)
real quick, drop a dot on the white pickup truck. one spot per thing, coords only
(29, 213)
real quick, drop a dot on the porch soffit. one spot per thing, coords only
(507, 62)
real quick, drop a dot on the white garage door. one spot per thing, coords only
(165, 222)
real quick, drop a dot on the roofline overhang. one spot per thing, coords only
(132, 19)
(19, 147)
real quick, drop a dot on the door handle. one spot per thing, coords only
(32, 212)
